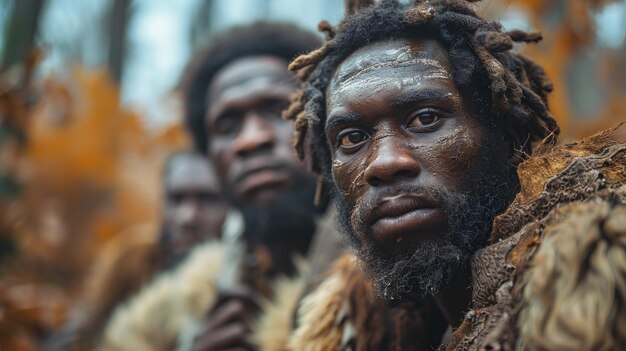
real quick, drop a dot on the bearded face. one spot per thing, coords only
(418, 178)
(251, 146)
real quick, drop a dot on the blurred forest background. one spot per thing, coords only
(89, 109)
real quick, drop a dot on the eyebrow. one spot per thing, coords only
(273, 78)
(338, 120)
(268, 95)
(422, 96)
(409, 98)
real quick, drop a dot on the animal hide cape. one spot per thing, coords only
(163, 316)
(152, 320)
(554, 276)
(275, 323)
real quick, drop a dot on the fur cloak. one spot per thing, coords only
(554, 276)
(152, 320)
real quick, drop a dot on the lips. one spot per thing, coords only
(404, 215)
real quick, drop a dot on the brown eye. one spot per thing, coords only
(424, 119)
(352, 138)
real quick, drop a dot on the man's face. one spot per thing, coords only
(194, 206)
(250, 145)
(249, 141)
(410, 165)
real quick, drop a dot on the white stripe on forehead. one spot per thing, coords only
(376, 84)
(395, 58)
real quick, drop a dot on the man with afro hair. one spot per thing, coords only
(437, 144)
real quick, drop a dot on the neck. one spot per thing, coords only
(454, 300)
(282, 255)
(274, 256)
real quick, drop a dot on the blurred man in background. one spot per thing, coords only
(194, 210)
(236, 92)
(195, 207)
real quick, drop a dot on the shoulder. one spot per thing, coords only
(133, 249)
(555, 274)
(323, 315)
(275, 323)
(153, 318)
(592, 168)
(572, 292)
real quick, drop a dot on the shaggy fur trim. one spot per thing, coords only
(323, 315)
(555, 276)
(275, 323)
(574, 291)
(344, 313)
(152, 320)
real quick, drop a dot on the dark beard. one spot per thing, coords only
(430, 265)
(290, 219)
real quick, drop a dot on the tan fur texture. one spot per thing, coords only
(574, 295)
(344, 313)
(554, 277)
(152, 320)
(322, 316)
(275, 323)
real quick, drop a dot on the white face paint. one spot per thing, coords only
(395, 59)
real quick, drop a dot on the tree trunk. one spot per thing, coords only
(20, 31)
(118, 23)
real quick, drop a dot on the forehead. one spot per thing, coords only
(406, 61)
(191, 173)
(253, 73)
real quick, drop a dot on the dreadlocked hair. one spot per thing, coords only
(280, 40)
(506, 88)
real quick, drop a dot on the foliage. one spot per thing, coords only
(88, 171)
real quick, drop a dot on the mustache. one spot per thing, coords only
(371, 201)
(261, 165)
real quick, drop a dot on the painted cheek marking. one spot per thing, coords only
(358, 183)
(348, 169)
(455, 151)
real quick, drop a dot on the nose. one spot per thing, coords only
(390, 163)
(256, 135)
(188, 212)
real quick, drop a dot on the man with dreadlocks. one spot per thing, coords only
(421, 122)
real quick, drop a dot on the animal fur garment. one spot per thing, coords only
(344, 313)
(152, 320)
(275, 323)
(554, 276)
(164, 315)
